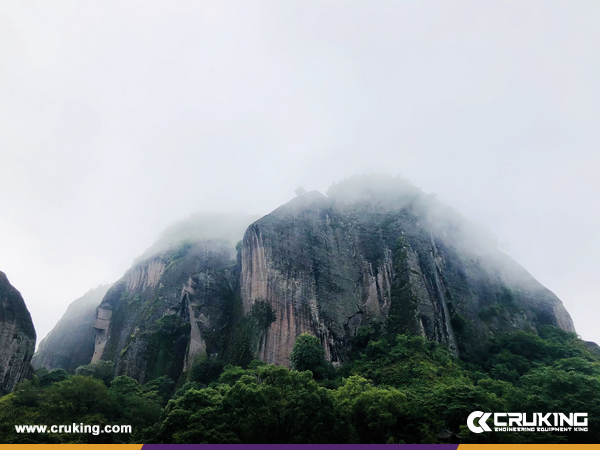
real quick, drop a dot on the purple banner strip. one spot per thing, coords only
(299, 446)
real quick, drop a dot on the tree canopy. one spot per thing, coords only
(403, 389)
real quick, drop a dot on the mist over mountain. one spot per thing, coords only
(379, 252)
(70, 343)
(228, 228)
(375, 289)
(374, 252)
(371, 311)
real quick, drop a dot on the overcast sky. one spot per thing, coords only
(118, 118)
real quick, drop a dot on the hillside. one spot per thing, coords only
(70, 343)
(375, 252)
(17, 336)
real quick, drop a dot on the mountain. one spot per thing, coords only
(176, 301)
(227, 228)
(166, 310)
(379, 252)
(70, 344)
(376, 253)
(17, 336)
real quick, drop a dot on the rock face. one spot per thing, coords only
(166, 310)
(70, 344)
(384, 255)
(373, 252)
(17, 336)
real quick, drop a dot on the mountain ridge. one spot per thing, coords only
(70, 343)
(373, 252)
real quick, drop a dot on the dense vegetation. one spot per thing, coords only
(400, 389)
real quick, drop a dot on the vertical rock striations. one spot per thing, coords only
(374, 252)
(167, 310)
(17, 336)
(387, 255)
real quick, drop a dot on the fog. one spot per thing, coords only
(119, 118)
(226, 228)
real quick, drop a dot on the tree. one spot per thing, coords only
(278, 406)
(54, 376)
(197, 417)
(21, 406)
(135, 407)
(77, 397)
(309, 354)
(205, 369)
(231, 374)
(159, 389)
(367, 414)
(101, 370)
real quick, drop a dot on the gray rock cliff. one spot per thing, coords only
(70, 344)
(17, 336)
(167, 310)
(376, 251)
(384, 253)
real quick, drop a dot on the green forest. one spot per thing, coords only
(400, 389)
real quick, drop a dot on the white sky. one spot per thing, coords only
(120, 117)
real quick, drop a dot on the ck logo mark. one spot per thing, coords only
(482, 419)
